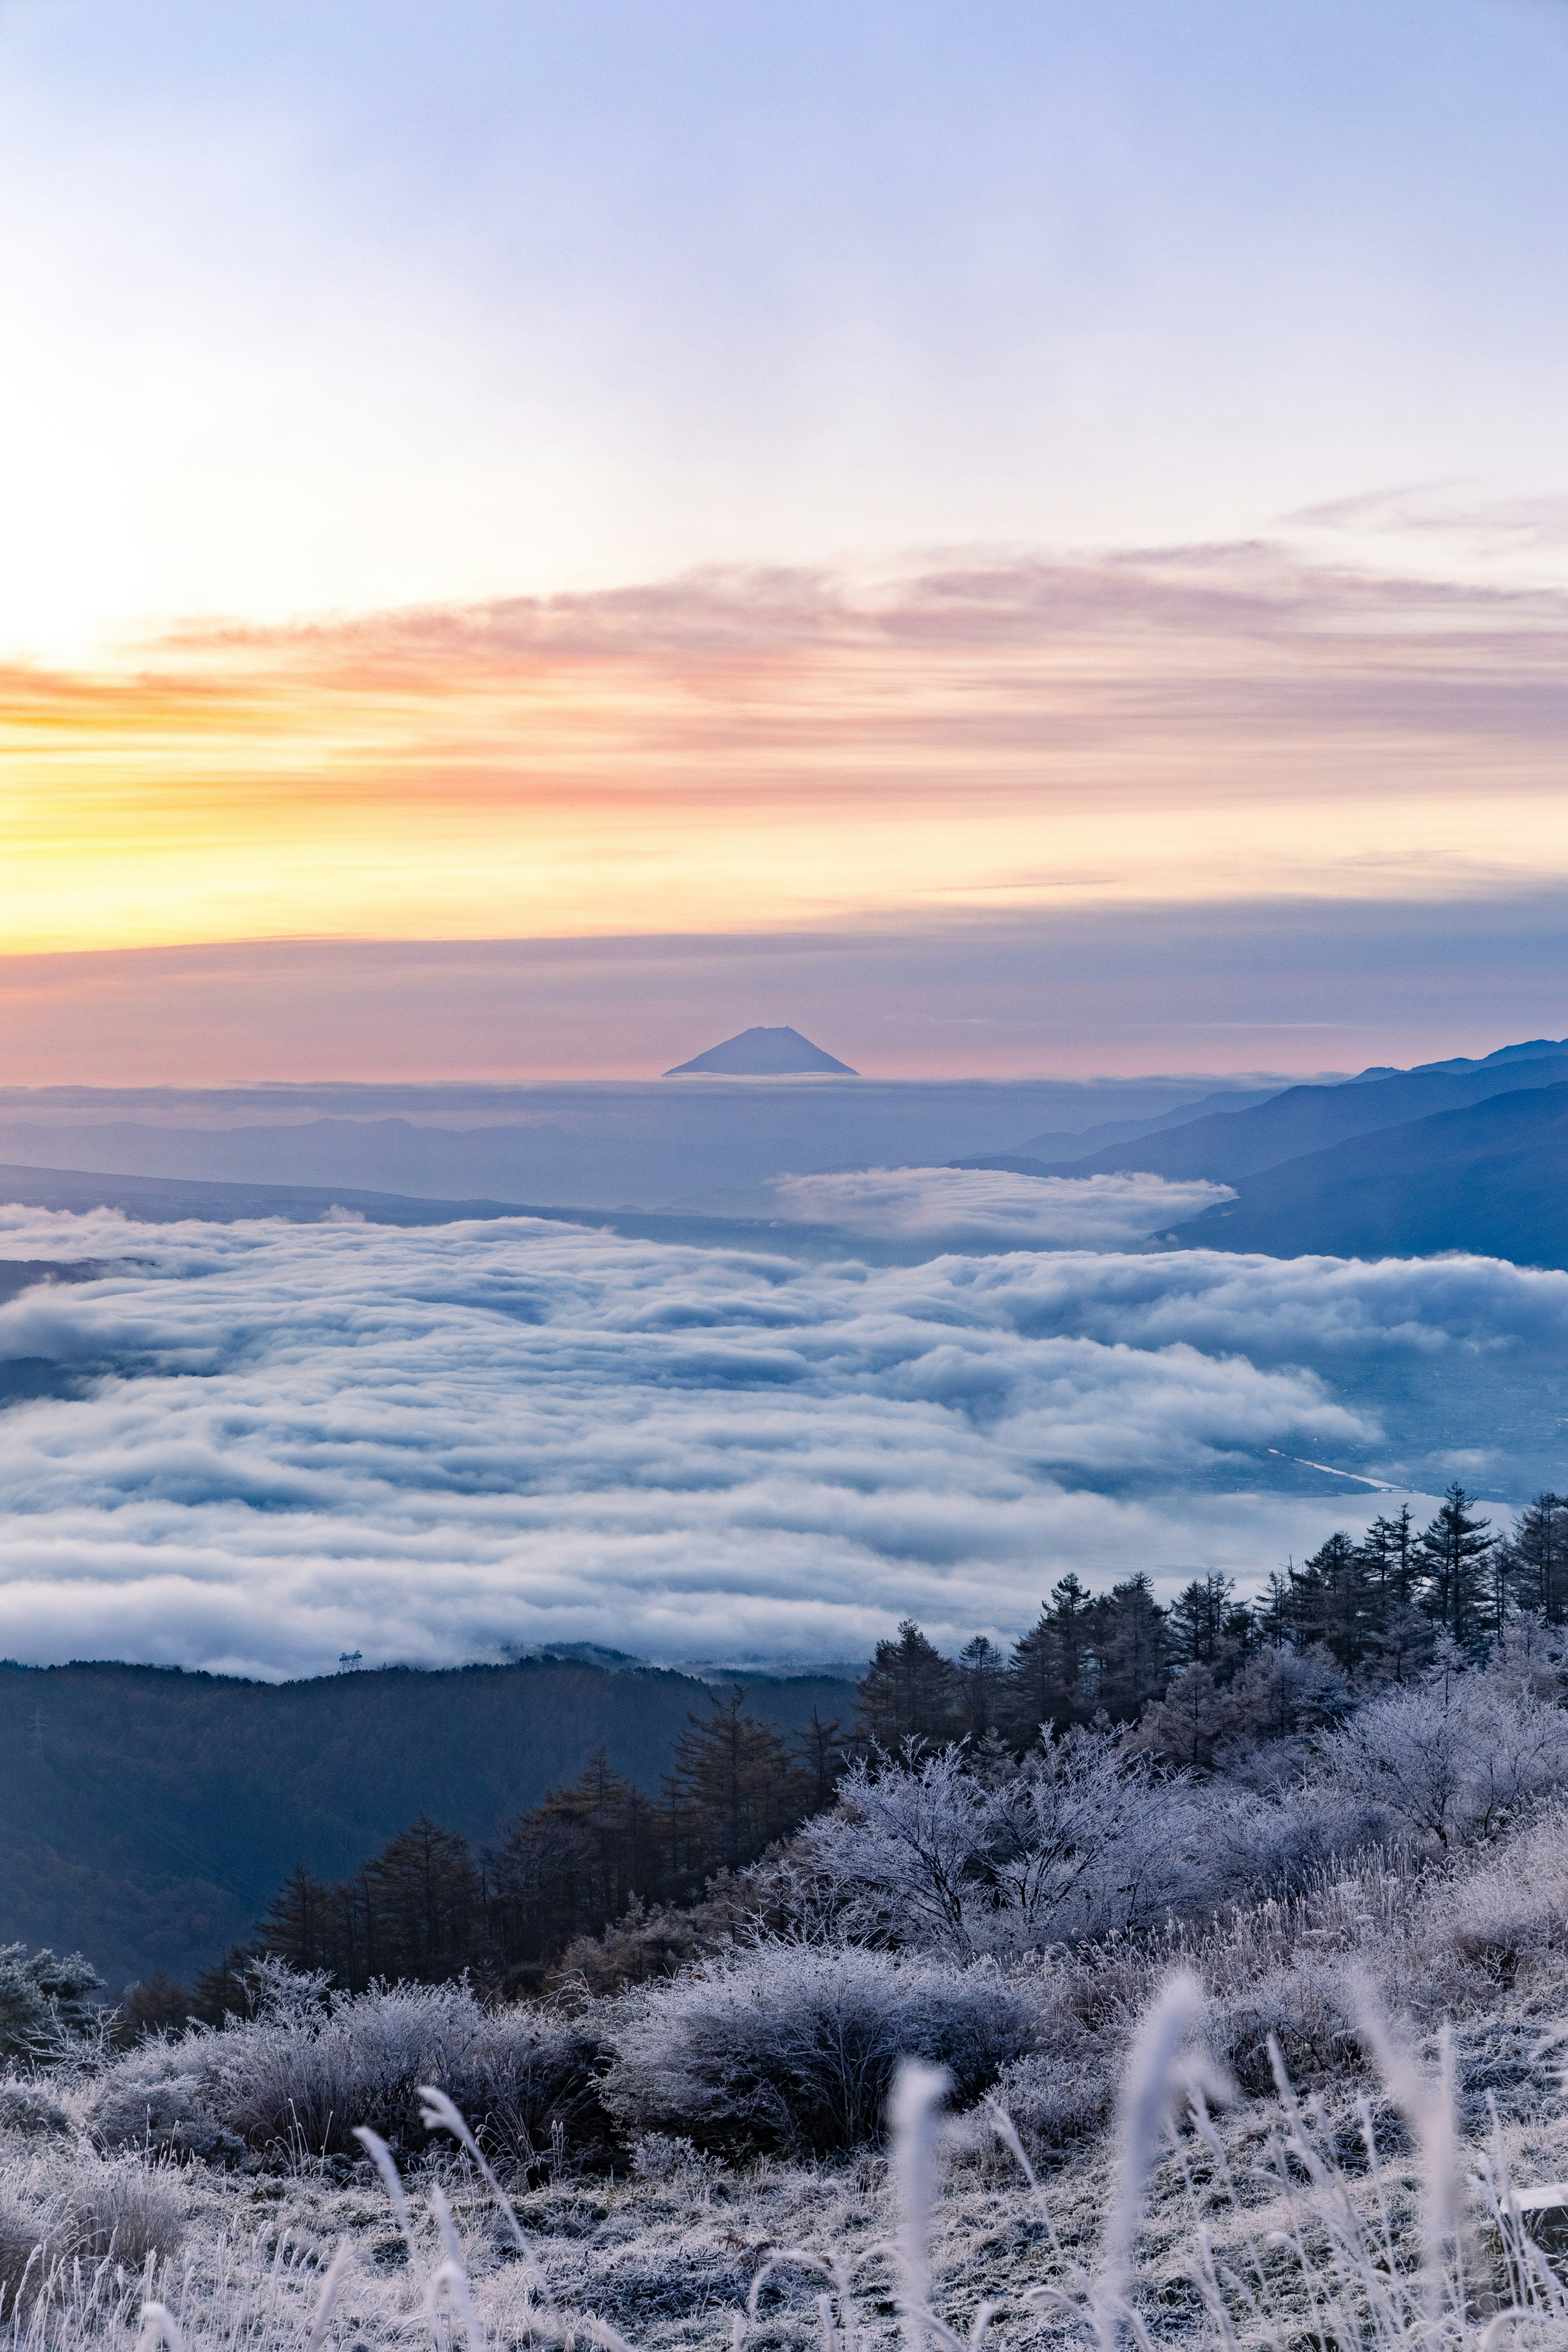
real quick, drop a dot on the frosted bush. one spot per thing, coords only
(43, 2002)
(1077, 1842)
(1453, 1758)
(158, 2100)
(30, 2111)
(1059, 2095)
(670, 2156)
(298, 2079)
(125, 2209)
(792, 2047)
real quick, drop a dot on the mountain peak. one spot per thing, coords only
(762, 1054)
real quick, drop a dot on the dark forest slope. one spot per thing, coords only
(147, 1815)
(1492, 1179)
(1232, 1145)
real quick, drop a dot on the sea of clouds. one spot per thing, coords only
(992, 1204)
(435, 1443)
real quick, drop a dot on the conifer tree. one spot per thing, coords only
(1134, 1648)
(1394, 1570)
(733, 1787)
(820, 1761)
(1051, 1675)
(1454, 1552)
(982, 1679)
(303, 1924)
(1333, 1601)
(1205, 1624)
(908, 1692)
(1537, 1557)
(424, 1906)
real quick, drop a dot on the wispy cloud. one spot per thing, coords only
(429, 1444)
(969, 1204)
(752, 749)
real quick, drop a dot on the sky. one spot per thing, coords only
(271, 1442)
(1029, 538)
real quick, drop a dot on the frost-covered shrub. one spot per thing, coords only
(302, 2075)
(1302, 2006)
(23, 2256)
(793, 2047)
(29, 2110)
(158, 2101)
(1272, 1841)
(1080, 1841)
(43, 2002)
(1455, 1758)
(1059, 2094)
(126, 2208)
(667, 2156)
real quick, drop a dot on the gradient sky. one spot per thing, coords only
(915, 477)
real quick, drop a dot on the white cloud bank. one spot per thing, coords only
(428, 1444)
(986, 1204)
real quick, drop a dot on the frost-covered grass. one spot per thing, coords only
(1201, 2135)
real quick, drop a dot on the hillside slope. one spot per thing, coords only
(1230, 1145)
(146, 1815)
(1492, 1179)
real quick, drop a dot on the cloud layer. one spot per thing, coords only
(970, 1204)
(761, 749)
(434, 1444)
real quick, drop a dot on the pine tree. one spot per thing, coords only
(1203, 1620)
(1454, 1552)
(1394, 1570)
(733, 1787)
(908, 1692)
(302, 1923)
(1537, 1557)
(1051, 1675)
(820, 1761)
(1332, 1602)
(982, 1679)
(425, 1905)
(1134, 1648)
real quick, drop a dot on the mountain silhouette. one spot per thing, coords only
(1229, 1145)
(762, 1054)
(1486, 1178)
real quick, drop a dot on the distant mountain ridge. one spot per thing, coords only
(1492, 1179)
(150, 1813)
(1227, 1146)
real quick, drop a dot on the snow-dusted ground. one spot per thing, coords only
(1309, 2243)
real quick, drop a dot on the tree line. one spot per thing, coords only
(1181, 1679)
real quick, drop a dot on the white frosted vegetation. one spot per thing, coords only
(429, 1444)
(1382, 2201)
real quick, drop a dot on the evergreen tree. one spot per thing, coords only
(1333, 1601)
(982, 1681)
(303, 1924)
(1537, 1557)
(820, 1761)
(908, 1692)
(1133, 1647)
(1393, 1570)
(1050, 1676)
(422, 1905)
(733, 1788)
(569, 1865)
(1455, 1552)
(1206, 1627)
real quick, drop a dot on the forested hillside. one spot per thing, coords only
(1487, 1178)
(149, 1815)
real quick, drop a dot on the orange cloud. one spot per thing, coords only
(766, 750)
